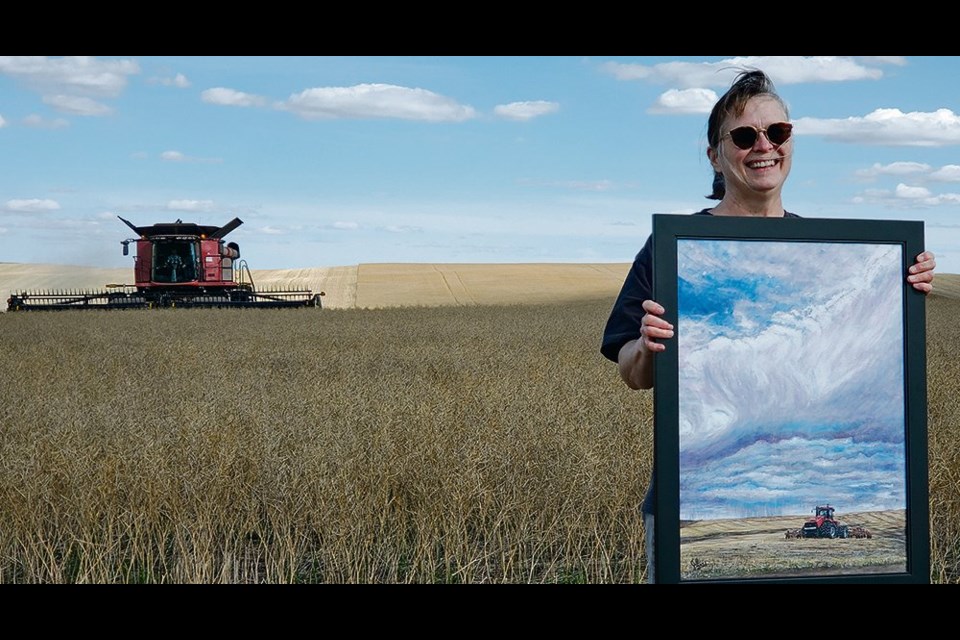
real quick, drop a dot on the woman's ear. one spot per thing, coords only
(712, 156)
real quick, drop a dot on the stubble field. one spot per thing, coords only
(477, 442)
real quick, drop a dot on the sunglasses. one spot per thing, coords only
(745, 137)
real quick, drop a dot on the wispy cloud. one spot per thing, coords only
(190, 205)
(782, 69)
(32, 205)
(179, 80)
(39, 122)
(526, 110)
(77, 105)
(176, 156)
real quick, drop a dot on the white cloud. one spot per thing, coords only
(74, 75)
(232, 98)
(888, 127)
(180, 81)
(893, 169)
(34, 205)
(526, 110)
(77, 105)
(685, 101)
(899, 61)
(376, 101)
(782, 69)
(345, 226)
(3, 122)
(912, 193)
(190, 205)
(947, 173)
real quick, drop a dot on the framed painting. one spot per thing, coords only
(790, 411)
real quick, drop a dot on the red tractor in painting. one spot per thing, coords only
(177, 264)
(824, 525)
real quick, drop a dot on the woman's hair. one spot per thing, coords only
(748, 84)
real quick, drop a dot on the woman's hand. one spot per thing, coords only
(921, 272)
(636, 357)
(653, 327)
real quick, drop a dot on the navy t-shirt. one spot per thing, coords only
(623, 325)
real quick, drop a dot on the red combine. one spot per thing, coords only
(177, 264)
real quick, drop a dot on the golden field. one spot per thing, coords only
(433, 424)
(367, 286)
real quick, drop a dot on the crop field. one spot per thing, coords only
(452, 444)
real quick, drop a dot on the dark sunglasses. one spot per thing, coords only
(745, 137)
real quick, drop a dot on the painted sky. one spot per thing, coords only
(791, 386)
(333, 161)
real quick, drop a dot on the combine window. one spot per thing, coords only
(174, 261)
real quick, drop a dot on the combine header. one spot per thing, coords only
(177, 264)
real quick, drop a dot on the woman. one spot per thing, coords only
(750, 148)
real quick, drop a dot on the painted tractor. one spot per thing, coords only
(824, 525)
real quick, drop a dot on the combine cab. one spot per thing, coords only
(177, 264)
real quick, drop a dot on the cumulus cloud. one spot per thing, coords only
(33, 205)
(376, 101)
(526, 110)
(782, 69)
(911, 193)
(887, 127)
(232, 98)
(684, 101)
(947, 173)
(3, 122)
(345, 226)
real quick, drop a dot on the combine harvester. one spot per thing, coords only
(177, 264)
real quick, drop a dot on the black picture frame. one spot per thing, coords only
(796, 379)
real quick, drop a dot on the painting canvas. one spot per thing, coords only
(790, 408)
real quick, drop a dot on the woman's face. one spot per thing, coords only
(762, 169)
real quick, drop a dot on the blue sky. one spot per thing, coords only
(819, 417)
(334, 161)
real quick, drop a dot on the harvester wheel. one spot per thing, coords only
(829, 530)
